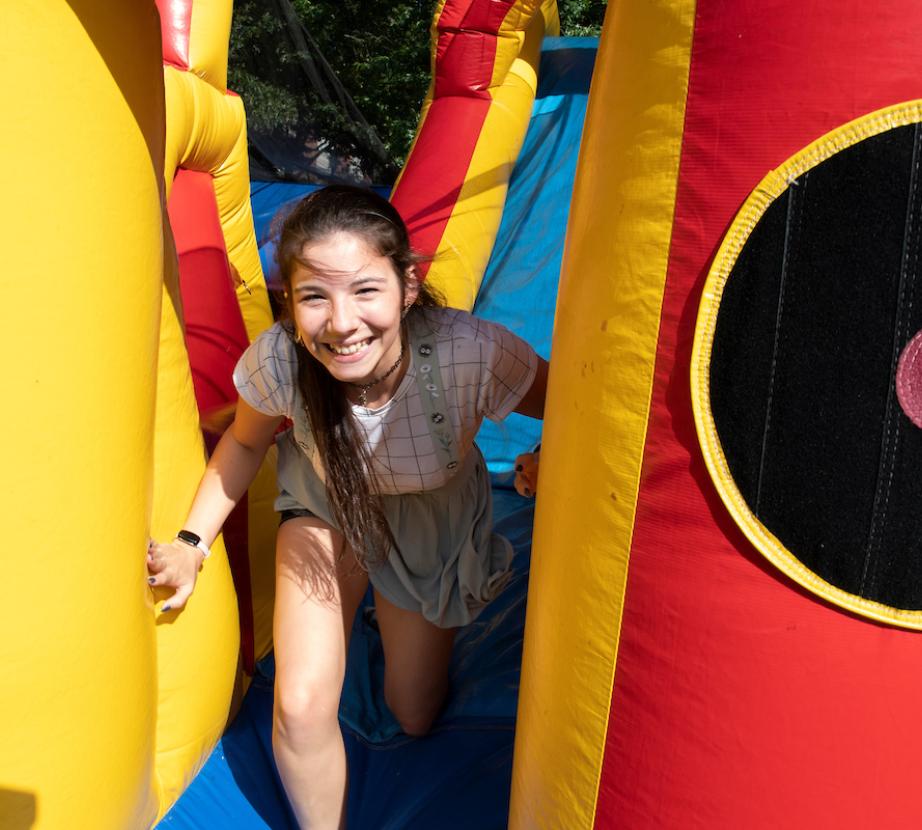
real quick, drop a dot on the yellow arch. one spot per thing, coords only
(464, 248)
(206, 131)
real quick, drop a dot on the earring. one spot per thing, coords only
(298, 339)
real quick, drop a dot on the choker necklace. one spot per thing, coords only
(364, 388)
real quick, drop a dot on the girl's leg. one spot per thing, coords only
(416, 657)
(317, 593)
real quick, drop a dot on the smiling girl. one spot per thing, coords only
(379, 477)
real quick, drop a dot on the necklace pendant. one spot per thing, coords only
(364, 387)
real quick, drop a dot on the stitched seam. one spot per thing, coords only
(794, 215)
(891, 438)
(913, 272)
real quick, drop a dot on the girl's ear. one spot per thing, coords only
(411, 286)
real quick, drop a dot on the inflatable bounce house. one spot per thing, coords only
(722, 598)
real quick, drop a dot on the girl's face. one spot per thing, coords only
(349, 309)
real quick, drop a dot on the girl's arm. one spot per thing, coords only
(229, 473)
(532, 404)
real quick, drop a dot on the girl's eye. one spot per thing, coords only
(310, 298)
(368, 290)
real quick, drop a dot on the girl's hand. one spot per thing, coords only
(175, 565)
(526, 474)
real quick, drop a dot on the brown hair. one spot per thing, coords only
(352, 492)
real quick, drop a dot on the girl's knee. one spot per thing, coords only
(415, 716)
(416, 723)
(305, 711)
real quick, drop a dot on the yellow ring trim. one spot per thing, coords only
(769, 189)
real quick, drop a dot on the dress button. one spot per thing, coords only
(425, 350)
(437, 418)
(451, 465)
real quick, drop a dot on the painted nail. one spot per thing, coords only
(528, 492)
(165, 609)
(151, 580)
(519, 468)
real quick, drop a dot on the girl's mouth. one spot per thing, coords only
(351, 349)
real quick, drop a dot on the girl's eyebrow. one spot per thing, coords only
(303, 287)
(313, 286)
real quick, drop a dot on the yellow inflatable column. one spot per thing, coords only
(605, 340)
(82, 278)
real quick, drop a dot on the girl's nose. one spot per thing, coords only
(342, 317)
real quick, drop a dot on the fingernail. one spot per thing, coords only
(165, 609)
(519, 468)
(527, 492)
(151, 580)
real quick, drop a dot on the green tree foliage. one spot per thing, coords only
(286, 57)
(581, 18)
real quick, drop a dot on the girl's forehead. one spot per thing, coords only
(340, 258)
(340, 245)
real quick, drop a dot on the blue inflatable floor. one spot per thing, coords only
(458, 777)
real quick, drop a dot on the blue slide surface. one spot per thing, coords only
(458, 777)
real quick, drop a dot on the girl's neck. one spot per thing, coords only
(384, 383)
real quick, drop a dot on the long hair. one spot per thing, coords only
(352, 492)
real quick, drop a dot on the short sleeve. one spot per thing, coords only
(266, 373)
(508, 371)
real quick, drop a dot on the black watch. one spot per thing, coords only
(194, 540)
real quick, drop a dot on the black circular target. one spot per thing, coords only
(812, 299)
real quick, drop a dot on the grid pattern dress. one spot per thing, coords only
(448, 563)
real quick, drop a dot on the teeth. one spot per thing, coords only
(355, 347)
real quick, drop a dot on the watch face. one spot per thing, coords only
(190, 537)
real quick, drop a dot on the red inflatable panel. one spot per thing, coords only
(441, 156)
(215, 333)
(175, 24)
